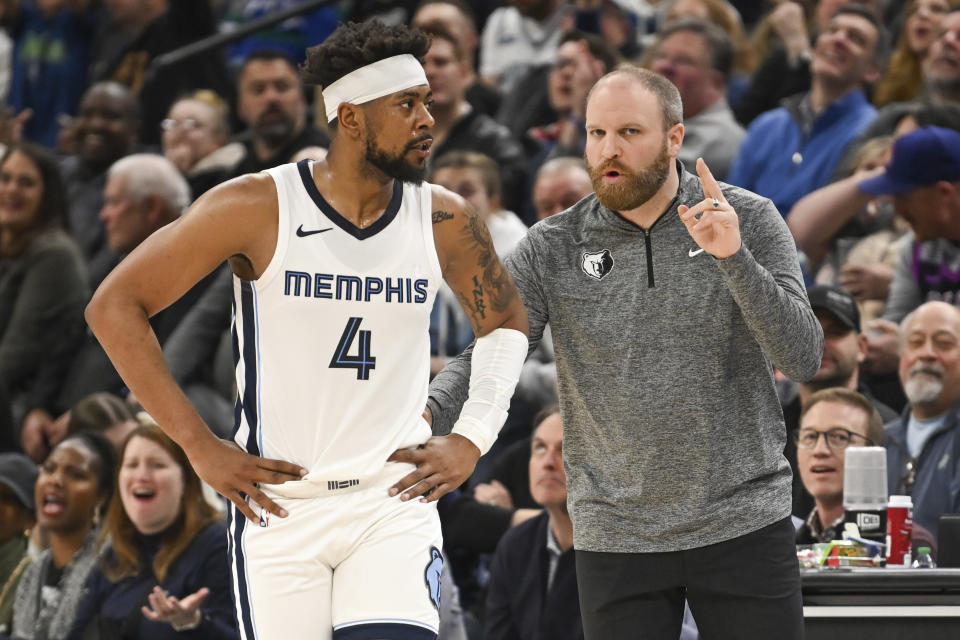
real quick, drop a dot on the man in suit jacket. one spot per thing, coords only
(533, 583)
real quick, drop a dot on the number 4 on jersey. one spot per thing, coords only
(363, 362)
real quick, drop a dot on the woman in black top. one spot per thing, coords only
(163, 571)
(43, 285)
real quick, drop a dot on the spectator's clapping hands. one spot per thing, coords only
(11, 125)
(493, 493)
(181, 614)
(866, 282)
(40, 433)
(586, 71)
(883, 346)
(789, 23)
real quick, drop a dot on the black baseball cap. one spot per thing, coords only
(19, 473)
(836, 301)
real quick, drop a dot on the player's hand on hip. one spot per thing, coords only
(712, 223)
(443, 464)
(235, 473)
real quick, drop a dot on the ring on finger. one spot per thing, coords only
(716, 203)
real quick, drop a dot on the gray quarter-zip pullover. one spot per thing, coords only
(673, 434)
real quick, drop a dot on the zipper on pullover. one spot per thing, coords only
(646, 238)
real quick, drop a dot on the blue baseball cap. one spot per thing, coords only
(920, 158)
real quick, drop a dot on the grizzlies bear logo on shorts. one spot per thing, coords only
(432, 574)
(597, 264)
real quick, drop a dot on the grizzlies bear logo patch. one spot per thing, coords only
(432, 574)
(597, 264)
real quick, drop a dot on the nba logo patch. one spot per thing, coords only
(597, 264)
(264, 518)
(432, 574)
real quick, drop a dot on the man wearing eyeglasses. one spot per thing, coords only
(844, 348)
(832, 420)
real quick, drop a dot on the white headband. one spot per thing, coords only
(378, 79)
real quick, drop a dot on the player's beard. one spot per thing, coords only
(397, 166)
(636, 188)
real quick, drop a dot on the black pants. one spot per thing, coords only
(744, 588)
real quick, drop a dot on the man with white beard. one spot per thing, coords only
(923, 444)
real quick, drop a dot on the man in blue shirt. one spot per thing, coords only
(796, 148)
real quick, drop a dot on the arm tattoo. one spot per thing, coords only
(474, 316)
(478, 302)
(440, 216)
(495, 281)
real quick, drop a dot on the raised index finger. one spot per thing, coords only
(711, 188)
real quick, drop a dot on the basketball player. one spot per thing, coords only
(336, 264)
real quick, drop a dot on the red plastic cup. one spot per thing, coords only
(899, 530)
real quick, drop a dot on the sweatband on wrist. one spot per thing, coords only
(494, 370)
(375, 80)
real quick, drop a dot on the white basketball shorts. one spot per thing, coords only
(351, 564)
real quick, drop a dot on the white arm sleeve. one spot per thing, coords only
(494, 370)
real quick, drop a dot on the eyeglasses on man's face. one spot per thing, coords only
(187, 124)
(837, 438)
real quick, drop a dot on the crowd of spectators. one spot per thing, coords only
(845, 113)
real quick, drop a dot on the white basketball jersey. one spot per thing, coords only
(332, 342)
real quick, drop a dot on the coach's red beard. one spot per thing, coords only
(633, 189)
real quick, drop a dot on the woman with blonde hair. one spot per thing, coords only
(163, 567)
(903, 79)
(195, 137)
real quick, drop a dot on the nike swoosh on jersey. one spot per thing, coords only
(690, 253)
(303, 234)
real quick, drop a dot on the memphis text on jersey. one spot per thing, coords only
(352, 288)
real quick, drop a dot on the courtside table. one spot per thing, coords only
(881, 604)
